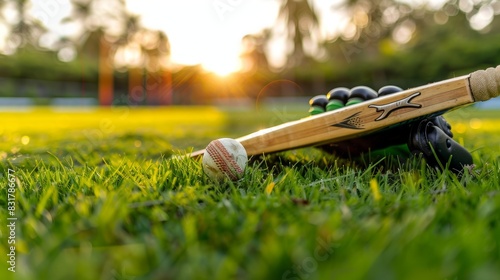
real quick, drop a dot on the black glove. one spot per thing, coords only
(431, 137)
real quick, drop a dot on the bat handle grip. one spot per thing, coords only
(485, 84)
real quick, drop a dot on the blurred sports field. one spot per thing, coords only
(174, 128)
(98, 196)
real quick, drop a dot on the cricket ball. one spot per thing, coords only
(224, 158)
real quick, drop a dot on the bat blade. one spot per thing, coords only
(372, 115)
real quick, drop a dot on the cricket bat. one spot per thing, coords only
(372, 115)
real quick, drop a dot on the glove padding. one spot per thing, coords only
(431, 137)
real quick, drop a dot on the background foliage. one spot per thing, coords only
(384, 42)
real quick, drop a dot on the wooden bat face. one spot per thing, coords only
(363, 118)
(375, 114)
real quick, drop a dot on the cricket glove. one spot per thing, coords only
(429, 137)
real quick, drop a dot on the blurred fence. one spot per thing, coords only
(22, 93)
(31, 88)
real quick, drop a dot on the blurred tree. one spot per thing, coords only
(302, 29)
(120, 41)
(82, 14)
(142, 50)
(253, 55)
(370, 23)
(479, 14)
(92, 44)
(2, 18)
(159, 82)
(2, 4)
(129, 55)
(87, 38)
(255, 71)
(389, 41)
(26, 31)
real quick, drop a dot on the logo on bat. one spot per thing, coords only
(387, 109)
(352, 122)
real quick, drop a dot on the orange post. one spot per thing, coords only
(166, 88)
(105, 74)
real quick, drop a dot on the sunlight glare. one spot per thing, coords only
(221, 59)
(222, 66)
(199, 36)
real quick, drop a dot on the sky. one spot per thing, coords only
(210, 31)
(206, 32)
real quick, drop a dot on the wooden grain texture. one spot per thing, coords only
(360, 119)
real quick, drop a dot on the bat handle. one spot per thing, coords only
(485, 84)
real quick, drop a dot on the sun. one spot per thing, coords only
(222, 65)
(221, 69)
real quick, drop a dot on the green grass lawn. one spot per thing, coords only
(99, 196)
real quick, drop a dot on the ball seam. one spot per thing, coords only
(232, 163)
(223, 160)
